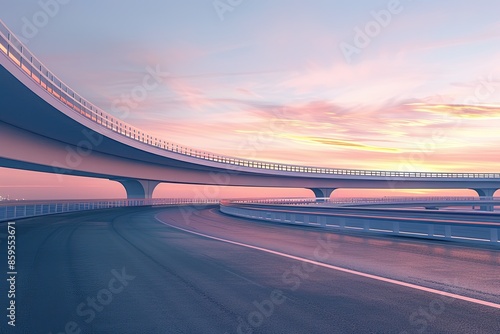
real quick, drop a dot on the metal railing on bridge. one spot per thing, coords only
(10, 210)
(38, 73)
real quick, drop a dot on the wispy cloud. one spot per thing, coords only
(479, 112)
(341, 143)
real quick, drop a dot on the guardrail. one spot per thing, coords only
(24, 209)
(360, 200)
(18, 54)
(439, 229)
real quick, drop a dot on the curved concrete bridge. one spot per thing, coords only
(51, 128)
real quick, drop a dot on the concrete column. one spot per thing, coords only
(486, 192)
(138, 189)
(322, 193)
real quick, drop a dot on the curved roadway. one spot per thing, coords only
(77, 138)
(182, 270)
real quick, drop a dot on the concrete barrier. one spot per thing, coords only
(439, 229)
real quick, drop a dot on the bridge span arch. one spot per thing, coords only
(51, 128)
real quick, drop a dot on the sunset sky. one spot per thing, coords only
(408, 85)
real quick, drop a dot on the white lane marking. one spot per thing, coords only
(354, 272)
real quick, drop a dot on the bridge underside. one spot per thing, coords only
(45, 135)
(322, 193)
(30, 151)
(485, 193)
(142, 189)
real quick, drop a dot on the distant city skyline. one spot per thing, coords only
(384, 85)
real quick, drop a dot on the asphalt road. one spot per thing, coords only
(125, 271)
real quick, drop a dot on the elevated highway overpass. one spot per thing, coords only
(51, 128)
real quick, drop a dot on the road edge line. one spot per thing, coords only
(345, 270)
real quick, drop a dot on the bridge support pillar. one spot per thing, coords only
(138, 189)
(322, 194)
(486, 192)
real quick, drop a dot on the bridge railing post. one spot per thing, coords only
(430, 230)
(494, 235)
(447, 232)
(366, 225)
(395, 227)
